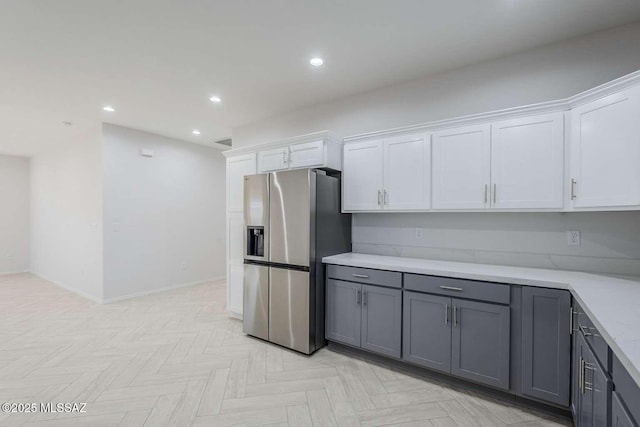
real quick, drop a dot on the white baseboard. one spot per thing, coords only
(69, 288)
(9, 273)
(158, 290)
(129, 296)
(235, 315)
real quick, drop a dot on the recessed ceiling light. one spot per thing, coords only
(215, 99)
(195, 132)
(109, 108)
(316, 62)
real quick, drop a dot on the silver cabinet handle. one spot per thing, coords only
(486, 190)
(284, 156)
(581, 376)
(386, 198)
(573, 189)
(364, 298)
(584, 331)
(450, 288)
(495, 193)
(358, 297)
(379, 194)
(362, 276)
(455, 316)
(571, 313)
(289, 150)
(586, 385)
(446, 314)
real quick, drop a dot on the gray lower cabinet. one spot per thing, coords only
(546, 344)
(364, 316)
(620, 416)
(343, 312)
(427, 330)
(593, 388)
(480, 342)
(381, 320)
(469, 339)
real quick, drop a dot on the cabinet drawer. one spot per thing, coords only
(471, 289)
(593, 337)
(391, 279)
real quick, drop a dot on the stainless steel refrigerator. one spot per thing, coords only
(292, 219)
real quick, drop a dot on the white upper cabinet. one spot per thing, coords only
(320, 153)
(387, 174)
(306, 155)
(237, 168)
(605, 151)
(461, 168)
(274, 159)
(362, 178)
(407, 177)
(527, 162)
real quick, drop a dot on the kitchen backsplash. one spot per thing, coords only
(610, 241)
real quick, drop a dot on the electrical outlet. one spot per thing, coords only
(419, 233)
(573, 238)
(183, 265)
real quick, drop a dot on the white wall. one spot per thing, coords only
(544, 74)
(66, 214)
(611, 240)
(14, 214)
(160, 212)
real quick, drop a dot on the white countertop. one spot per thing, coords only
(612, 303)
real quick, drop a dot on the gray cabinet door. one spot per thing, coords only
(546, 344)
(620, 416)
(427, 330)
(594, 388)
(575, 377)
(343, 312)
(480, 342)
(585, 399)
(381, 320)
(599, 385)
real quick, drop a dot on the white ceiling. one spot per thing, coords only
(158, 61)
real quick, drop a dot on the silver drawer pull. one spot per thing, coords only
(451, 288)
(585, 331)
(362, 276)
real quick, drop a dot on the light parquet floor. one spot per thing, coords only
(177, 359)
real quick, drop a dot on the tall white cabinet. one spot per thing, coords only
(237, 168)
(605, 152)
(387, 174)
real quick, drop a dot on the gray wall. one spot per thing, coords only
(14, 214)
(611, 241)
(164, 216)
(544, 74)
(66, 213)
